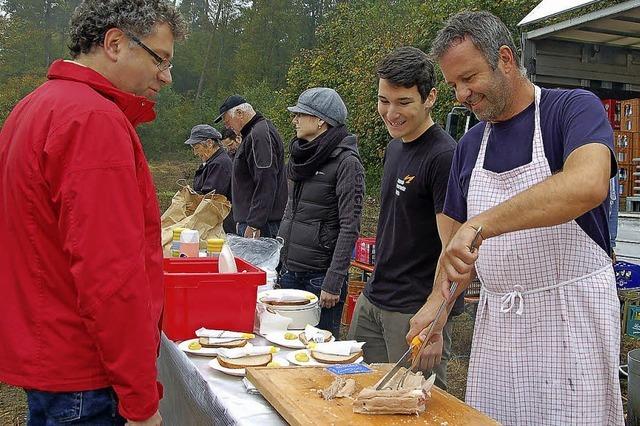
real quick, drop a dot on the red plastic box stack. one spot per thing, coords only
(365, 250)
(197, 295)
(612, 107)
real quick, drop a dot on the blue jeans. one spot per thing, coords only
(269, 230)
(312, 282)
(94, 407)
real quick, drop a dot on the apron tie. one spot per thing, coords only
(509, 300)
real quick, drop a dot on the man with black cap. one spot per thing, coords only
(214, 174)
(259, 186)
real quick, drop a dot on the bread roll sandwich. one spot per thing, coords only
(326, 337)
(335, 359)
(245, 361)
(214, 342)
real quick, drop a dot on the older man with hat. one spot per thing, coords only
(322, 219)
(214, 174)
(258, 184)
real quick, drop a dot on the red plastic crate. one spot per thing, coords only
(612, 108)
(197, 295)
(365, 250)
(352, 299)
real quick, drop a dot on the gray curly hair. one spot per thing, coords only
(93, 18)
(485, 30)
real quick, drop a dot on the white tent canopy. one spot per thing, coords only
(549, 8)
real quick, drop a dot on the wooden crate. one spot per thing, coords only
(630, 124)
(634, 179)
(635, 146)
(623, 146)
(624, 155)
(630, 108)
(625, 178)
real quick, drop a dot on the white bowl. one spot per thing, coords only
(301, 315)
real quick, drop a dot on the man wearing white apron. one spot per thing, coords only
(534, 177)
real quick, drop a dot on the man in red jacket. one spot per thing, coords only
(79, 223)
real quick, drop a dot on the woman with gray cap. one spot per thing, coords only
(322, 219)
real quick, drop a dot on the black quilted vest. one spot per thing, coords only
(310, 224)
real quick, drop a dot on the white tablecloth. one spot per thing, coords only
(195, 394)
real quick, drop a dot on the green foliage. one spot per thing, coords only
(353, 40)
(432, 16)
(15, 88)
(267, 50)
(177, 114)
(349, 45)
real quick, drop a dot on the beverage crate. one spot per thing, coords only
(365, 250)
(625, 178)
(630, 124)
(612, 108)
(630, 108)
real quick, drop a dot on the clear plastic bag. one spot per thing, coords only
(261, 252)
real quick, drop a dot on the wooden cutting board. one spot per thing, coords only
(292, 391)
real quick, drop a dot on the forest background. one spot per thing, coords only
(269, 51)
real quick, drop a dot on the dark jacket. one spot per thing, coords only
(214, 175)
(259, 184)
(322, 219)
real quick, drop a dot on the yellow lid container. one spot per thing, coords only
(215, 244)
(176, 233)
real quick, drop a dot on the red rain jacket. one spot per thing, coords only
(81, 263)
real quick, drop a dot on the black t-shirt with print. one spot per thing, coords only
(414, 185)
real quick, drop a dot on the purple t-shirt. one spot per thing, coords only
(568, 119)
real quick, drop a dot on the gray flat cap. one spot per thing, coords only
(201, 133)
(322, 102)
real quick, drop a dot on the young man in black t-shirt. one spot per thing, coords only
(414, 183)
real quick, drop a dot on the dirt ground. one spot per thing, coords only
(13, 406)
(13, 401)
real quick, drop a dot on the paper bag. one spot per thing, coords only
(188, 209)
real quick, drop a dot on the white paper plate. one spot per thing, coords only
(277, 337)
(313, 299)
(184, 346)
(291, 357)
(240, 372)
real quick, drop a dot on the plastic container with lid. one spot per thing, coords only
(189, 243)
(214, 247)
(175, 243)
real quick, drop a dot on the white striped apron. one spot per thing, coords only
(547, 334)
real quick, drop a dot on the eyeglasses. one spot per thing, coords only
(162, 64)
